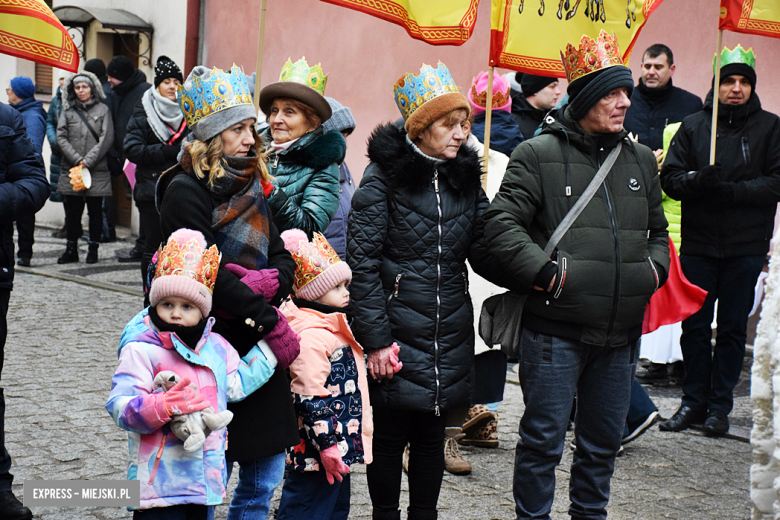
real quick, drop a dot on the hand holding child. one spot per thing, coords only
(333, 465)
(384, 362)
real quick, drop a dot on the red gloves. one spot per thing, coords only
(264, 282)
(283, 342)
(183, 399)
(384, 362)
(267, 188)
(333, 465)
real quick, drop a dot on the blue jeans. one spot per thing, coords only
(308, 496)
(710, 377)
(551, 371)
(257, 480)
(640, 406)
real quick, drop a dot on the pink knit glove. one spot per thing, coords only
(283, 342)
(264, 281)
(333, 465)
(183, 399)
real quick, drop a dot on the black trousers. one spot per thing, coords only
(5, 459)
(424, 432)
(74, 208)
(150, 231)
(25, 227)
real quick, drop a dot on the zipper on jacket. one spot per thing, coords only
(394, 293)
(655, 271)
(745, 150)
(465, 281)
(616, 292)
(438, 296)
(276, 162)
(157, 459)
(564, 263)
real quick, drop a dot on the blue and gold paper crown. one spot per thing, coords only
(736, 55)
(411, 91)
(219, 92)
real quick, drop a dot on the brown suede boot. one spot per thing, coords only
(453, 460)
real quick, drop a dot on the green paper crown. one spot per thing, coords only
(737, 55)
(300, 72)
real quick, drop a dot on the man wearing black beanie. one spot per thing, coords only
(539, 95)
(129, 85)
(728, 213)
(582, 320)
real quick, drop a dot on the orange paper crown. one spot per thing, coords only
(480, 98)
(189, 259)
(591, 55)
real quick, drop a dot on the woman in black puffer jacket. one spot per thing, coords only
(153, 140)
(415, 220)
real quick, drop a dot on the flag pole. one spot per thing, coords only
(259, 65)
(488, 117)
(715, 100)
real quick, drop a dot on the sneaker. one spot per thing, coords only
(12, 509)
(453, 460)
(638, 428)
(654, 374)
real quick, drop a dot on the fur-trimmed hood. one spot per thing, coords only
(316, 150)
(69, 94)
(405, 165)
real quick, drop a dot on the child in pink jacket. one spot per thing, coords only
(329, 385)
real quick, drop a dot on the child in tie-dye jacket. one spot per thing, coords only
(329, 385)
(174, 334)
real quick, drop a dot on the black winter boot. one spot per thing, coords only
(92, 252)
(71, 253)
(386, 515)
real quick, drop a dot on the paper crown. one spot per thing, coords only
(318, 268)
(184, 255)
(411, 91)
(478, 93)
(219, 92)
(736, 55)
(300, 72)
(591, 56)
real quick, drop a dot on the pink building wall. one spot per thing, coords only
(364, 56)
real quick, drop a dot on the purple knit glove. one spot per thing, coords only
(265, 281)
(283, 342)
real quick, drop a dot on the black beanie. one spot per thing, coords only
(165, 69)
(96, 67)
(120, 67)
(743, 69)
(532, 84)
(586, 91)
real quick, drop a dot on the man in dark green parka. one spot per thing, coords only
(583, 318)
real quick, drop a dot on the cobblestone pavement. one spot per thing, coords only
(61, 353)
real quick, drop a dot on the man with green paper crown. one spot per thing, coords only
(728, 213)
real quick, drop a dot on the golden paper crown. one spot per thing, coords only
(189, 259)
(591, 55)
(300, 72)
(312, 259)
(480, 98)
(218, 92)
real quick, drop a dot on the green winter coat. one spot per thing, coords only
(614, 256)
(306, 180)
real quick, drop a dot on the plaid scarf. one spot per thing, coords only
(241, 226)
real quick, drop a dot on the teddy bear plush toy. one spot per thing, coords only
(192, 428)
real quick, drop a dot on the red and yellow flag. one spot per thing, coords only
(528, 35)
(760, 17)
(30, 30)
(438, 22)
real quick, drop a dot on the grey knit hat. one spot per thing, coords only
(341, 120)
(216, 122)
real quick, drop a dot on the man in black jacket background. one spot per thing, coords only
(23, 191)
(728, 212)
(539, 95)
(129, 85)
(655, 104)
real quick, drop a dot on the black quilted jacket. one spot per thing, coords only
(413, 224)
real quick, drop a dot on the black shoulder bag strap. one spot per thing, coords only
(89, 127)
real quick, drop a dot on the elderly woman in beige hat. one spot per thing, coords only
(304, 159)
